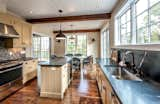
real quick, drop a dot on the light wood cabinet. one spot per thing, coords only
(29, 70)
(23, 28)
(105, 89)
(5, 18)
(26, 34)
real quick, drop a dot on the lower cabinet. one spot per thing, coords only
(105, 89)
(54, 81)
(29, 70)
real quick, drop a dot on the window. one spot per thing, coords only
(82, 44)
(41, 48)
(125, 25)
(105, 44)
(76, 45)
(71, 45)
(138, 22)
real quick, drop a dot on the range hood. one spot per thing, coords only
(8, 31)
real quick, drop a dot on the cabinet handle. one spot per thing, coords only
(112, 94)
(104, 87)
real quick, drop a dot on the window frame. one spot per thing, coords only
(40, 58)
(134, 26)
(76, 44)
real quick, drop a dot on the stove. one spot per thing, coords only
(6, 64)
(10, 77)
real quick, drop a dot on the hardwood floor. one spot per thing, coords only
(82, 90)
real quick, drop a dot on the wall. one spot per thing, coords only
(3, 5)
(93, 48)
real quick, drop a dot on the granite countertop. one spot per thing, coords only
(131, 92)
(56, 62)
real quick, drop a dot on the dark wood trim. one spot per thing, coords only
(71, 18)
(78, 31)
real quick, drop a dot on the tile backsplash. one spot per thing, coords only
(10, 54)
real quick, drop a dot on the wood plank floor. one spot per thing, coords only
(82, 90)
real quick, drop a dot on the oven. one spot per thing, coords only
(10, 79)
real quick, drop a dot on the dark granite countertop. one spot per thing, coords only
(56, 62)
(131, 92)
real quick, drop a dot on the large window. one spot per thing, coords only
(138, 22)
(76, 44)
(41, 48)
(71, 44)
(105, 44)
(125, 25)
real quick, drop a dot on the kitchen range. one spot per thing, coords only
(10, 77)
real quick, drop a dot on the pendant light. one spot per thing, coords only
(72, 37)
(60, 35)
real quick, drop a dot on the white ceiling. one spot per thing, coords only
(50, 27)
(49, 8)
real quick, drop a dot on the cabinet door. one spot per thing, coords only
(104, 91)
(4, 18)
(64, 78)
(18, 27)
(115, 99)
(26, 35)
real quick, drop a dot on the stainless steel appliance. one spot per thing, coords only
(10, 78)
(8, 31)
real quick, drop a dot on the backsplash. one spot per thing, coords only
(150, 66)
(10, 54)
(1, 43)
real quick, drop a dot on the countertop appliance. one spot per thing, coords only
(10, 77)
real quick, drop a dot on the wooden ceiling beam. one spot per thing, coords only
(78, 31)
(71, 18)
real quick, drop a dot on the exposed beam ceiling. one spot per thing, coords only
(71, 18)
(78, 31)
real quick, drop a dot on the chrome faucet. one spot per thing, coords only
(139, 69)
(123, 63)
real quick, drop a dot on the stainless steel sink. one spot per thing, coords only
(123, 74)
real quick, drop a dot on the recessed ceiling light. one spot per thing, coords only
(31, 12)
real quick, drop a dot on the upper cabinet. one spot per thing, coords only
(5, 18)
(23, 28)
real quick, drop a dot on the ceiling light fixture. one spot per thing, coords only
(30, 12)
(60, 35)
(72, 37)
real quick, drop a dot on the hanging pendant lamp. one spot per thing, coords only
(60, 35)
(72, 37)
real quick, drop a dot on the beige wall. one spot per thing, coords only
(59, 47)
(93, 48)
(3, 6)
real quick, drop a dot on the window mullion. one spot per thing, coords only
(133, 23)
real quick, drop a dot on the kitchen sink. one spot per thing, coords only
(123, 74)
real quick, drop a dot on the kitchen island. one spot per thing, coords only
(54, 77)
